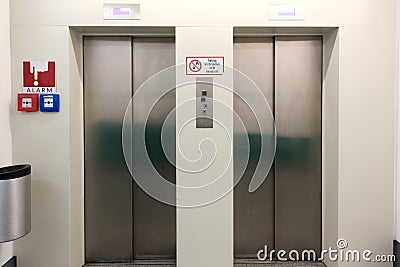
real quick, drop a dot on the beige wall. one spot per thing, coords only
(43, 141)
(397, 130)
(359, 86)
(6, 250)
(200, 227)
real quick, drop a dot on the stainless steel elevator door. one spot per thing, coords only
(253, 216)
(285, 213)
(154, 231)
(298, 176)
(108, 183)
(122, 223)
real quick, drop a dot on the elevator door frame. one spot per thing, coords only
(273, 169)
(330, 114)
(134, 187)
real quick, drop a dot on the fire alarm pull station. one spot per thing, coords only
(50, 103)
(28, 102)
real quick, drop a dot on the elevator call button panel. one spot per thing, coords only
(204, 102)
(28, 102)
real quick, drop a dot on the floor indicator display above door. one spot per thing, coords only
(121, 11)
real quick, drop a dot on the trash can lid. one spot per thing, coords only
(14, 171)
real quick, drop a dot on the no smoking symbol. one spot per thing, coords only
(195, 65)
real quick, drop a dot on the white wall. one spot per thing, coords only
(214, 222)
(6, 250)
(397, 130)
(44, 144)
(359, 88)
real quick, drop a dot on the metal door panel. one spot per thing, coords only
(298, 157)
(154, 223)
(253, 212)
(108, 183)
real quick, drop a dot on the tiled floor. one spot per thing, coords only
(238, 263)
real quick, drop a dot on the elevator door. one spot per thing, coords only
(285, 212)
(122, 223)
(254, 225)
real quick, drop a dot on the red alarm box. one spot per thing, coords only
(28, 102)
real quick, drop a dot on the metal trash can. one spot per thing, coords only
(15, 202)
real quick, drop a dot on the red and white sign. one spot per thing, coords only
(205, 65)
(39, 77)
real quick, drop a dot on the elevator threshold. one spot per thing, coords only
(136, 263)
(237, 263)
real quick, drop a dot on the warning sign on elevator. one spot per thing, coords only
(39, 76)
(205, 65)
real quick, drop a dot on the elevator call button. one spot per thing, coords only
(204, 102)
